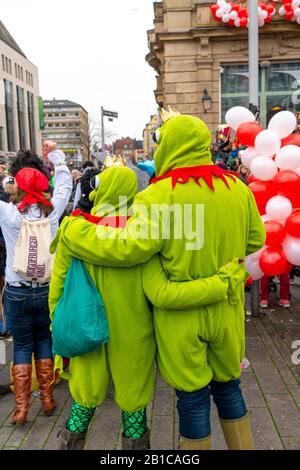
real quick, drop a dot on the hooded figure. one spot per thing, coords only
(129, 356)
(189, 215)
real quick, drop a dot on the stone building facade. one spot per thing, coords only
(19, 100)
(195, 56)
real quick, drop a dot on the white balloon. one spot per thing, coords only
(291, 248)
(238, 115)
(252, 267)
(297, 170)
(279, 208)
(288, 157)
(297, 12)
(227, 7)
(264, 14)
(282, 11)
(225, 18)
(233, 15)
(295, 3)
(248, 156)
(298, 20)
(256, 255)
(221, 2)
(263, 168)
(283, 123)
(267, 143)
(261, 22)
(219, 13)
(265, 218)
(237, 22)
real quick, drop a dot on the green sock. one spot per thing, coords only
(134, 424)
(80, 418)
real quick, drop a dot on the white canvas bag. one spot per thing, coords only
(32, 258)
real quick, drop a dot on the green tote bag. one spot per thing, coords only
(80, 323)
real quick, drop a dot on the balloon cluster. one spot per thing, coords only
(273, 157)
(236, 15)
(290, 10)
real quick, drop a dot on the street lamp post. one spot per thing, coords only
(102, 128)
(253, 39)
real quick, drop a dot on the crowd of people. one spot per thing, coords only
(73, 250)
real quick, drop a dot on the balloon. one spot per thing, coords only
(275, 233)
(287, 183)
(247, 156)
(226, 18)
(288, 268)
(252, 267)
(238, 115)
(263, 168)
(233, 15)
(251, 179)
(293, 139)
(279, 208)
(248, 132)
(213, 9)
(273, 261)
(262, 191)
(292, 224)
(237, 22)
(243, 22)
(289, 15)
(249, 281)
(267, 143)
(265, 218)
(291, 248)
(288, 157)
(283, 123)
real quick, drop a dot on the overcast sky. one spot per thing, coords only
(91, 52)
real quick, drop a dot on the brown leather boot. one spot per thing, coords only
(22, 385)
(45, 377)
(137, 444)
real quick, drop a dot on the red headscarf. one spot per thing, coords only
(34, 183)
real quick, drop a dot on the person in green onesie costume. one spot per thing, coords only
(212, 219)
(129, 356)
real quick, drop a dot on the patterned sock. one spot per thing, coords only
(134, 424)
(80, 418)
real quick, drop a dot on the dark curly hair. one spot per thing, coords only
(27, 159)
(84, 203)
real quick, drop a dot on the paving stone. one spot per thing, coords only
(288, 377)
(6, 408)
(264, 431)
(285, 414)
(295, 392)
(269, 379)
(160, 383)
(256, 352)
(38, 433)
(163, 402)
(291, 443)
(104, 430)
(51, 441)
(162, 433)
(18, 435)
(5, 433)
(251, 391)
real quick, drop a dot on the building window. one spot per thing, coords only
(16, 71)
(21, 116)
(30, 100)
(6, 64)
(76, 114)
(56, 115)
(77, 124)
(279, 83)
(50, 125)
(22, 74)
(3, 63)
(49, 115)
(10, 68)
(1, 139)
(9, 115)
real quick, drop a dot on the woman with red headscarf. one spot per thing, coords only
(26, 292)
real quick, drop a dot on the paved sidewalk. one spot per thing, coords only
(271, 385)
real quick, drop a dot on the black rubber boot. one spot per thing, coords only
(137, 444)
(68, 440)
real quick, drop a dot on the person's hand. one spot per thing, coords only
(57, 157)
(48, 146)
(234, 273)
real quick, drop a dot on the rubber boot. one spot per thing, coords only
(195, 444)
(238, 433)
(68, 440)
(45, 377)
(22, 386)
(137, 444)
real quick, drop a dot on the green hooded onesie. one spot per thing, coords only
(129, 355)
(213, 219)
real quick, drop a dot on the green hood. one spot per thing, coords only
(184, 141)
(114, 182)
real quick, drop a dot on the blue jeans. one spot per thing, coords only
(194, 408)
(28, 314)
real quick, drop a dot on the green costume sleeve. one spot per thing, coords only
(106, 246)
(257, 232)
(167, 294)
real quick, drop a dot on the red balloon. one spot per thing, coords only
(244, 22)
(273, 261)
(214, 8)
(251, 179)
(288, 268)
(249, 281)
(262, 191)
(276, 233)
(270, 9)
(289, 15)
(243, 13)
(292, 224)
(293, 139)
(248, 132)
(287, 183)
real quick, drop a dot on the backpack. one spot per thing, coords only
(32, 258)
(80, 325)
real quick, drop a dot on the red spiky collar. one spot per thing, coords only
(206, 172)
(119, 221)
